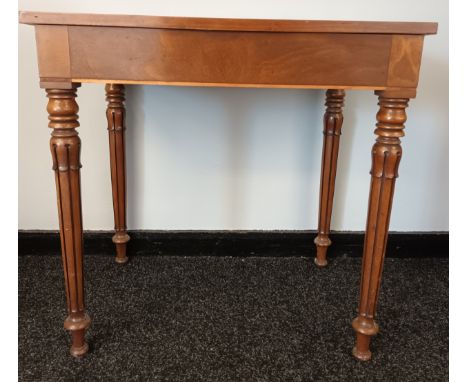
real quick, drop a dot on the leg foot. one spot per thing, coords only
(365, 328)
(361, 349)
(322, 243)
(121, 241)
(77, 326)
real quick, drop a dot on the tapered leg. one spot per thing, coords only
(115, 97)
(386, 154)
(332, 122)
(65, 148)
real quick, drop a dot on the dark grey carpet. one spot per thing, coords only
(233, 319)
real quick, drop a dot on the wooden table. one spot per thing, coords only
(115, 50)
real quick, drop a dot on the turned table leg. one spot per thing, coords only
(332, 122)
(115, 113)
(386, 155)
(65, 148)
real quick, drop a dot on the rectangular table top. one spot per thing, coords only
(225, 24)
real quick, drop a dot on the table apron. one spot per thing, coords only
(227, 58)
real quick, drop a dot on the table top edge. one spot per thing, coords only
(227, 24)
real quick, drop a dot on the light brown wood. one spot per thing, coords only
(405, 61)
(229, 57)
(386, 155)
(70, 54)
(115, 114)
(332, 123)
(65, 147)
(53, 51)
(225, 24)
(125, 49)
(201, 52)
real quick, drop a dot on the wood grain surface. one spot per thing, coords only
(225, 24)
(229, 57)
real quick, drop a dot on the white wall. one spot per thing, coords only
(213, 158)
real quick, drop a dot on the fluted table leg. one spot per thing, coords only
(65, 148)
(386, 155)
(115, 97)
(332, 122)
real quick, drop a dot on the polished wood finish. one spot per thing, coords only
(227, 52)
(332, 123)
(65, 147)
(386, 155)
(53, 51)
(222, 24)
(333, 55)
(405, 61)
(115, 96)
(228, 57)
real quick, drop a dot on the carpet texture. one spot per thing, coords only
(162, 318)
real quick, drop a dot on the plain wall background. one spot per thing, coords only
(214, 158)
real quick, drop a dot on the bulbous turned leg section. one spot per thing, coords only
(365, 328)
(65, 148)
(120, 239)
(77, 325)
(332, 123)
(322, 242)
(386, 155)
(115, 113)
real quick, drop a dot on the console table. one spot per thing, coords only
(115, 50)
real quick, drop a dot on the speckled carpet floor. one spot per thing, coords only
(233, 319)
